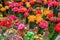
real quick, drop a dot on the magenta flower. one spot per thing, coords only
(43, 24)
(50, 4)
(26, 14)
(15, 9)
(21, 26)
(12, 17)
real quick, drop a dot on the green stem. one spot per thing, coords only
(51, 27)
(52, 36)
(25, 20)
(4, 13)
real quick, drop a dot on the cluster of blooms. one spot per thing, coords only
(33, 12)
(3, 8)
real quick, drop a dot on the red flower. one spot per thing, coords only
(20, 4)
(55, 3)
(38, 12)
(2, 23)
(57, 27)
(50, 15)
(19, 10)
(17, 23)
(58, 19)
(8, 23)
(7, 3)
(10, 6)
(26, 14)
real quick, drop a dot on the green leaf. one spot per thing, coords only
(40, 31)
(52, 36)
(31, 25)
(51, 27)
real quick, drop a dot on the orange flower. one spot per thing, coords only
(46, 12)
(28, 4)
(0, 5)
(6, 7)
(3, 9)
(38, 18)
(31, 18)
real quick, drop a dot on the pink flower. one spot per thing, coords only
(31, 2)
(43, 24)
(54, 19)
(30, 9)
(50, 4)
(20, 4)
(21, 26)
(55, 3)
(15, 5)
(39, 1)
(15, 9)
(26, 14)
(24, 10)
(12, 17)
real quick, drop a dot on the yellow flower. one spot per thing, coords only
(6, 7)
(59, 14)
(1, 15)
(36, 36)
(34, 0)
(38, 18)
(0, 5)
(46, 12)
(28, 4)
(31, 18)
(4, 18)
(39, 36)
(22, 0)
(3, 9)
